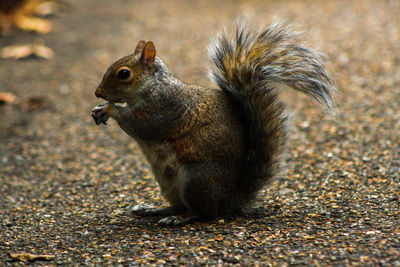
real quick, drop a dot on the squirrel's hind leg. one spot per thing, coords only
(150, 210)
(174, 216)
(207, 189)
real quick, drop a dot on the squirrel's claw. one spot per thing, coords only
(100, 115)
(177, 219)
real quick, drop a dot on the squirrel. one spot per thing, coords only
(213, 149)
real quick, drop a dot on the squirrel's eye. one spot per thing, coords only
(124, 74)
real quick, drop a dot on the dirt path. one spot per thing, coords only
(66, 185)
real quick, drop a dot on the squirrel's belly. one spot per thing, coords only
(164, 163)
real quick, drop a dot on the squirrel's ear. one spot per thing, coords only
(148, 54)
(139, 47)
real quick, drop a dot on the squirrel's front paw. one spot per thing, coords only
(99, 114)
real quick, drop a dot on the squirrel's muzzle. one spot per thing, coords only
(99, 92)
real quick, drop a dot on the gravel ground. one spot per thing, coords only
(67, 185)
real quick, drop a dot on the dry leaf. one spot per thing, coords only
(30, 257)
(24, 51)
(21, 14)
(28, 23)
(6, 98)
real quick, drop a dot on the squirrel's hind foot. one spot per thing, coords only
(174, 216)
(178, 219)
(144, 210)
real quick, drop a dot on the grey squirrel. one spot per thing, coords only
(213, 149)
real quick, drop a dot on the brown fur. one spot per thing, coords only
(211, 150)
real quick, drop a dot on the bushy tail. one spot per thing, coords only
(249, 66)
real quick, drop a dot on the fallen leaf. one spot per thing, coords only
(6, 98)
(26, 50)
(30, 257)
(38, 25)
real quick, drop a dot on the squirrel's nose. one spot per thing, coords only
(98, 92)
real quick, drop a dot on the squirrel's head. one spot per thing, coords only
(124, 77)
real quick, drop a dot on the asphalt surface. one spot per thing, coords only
(67, 185)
